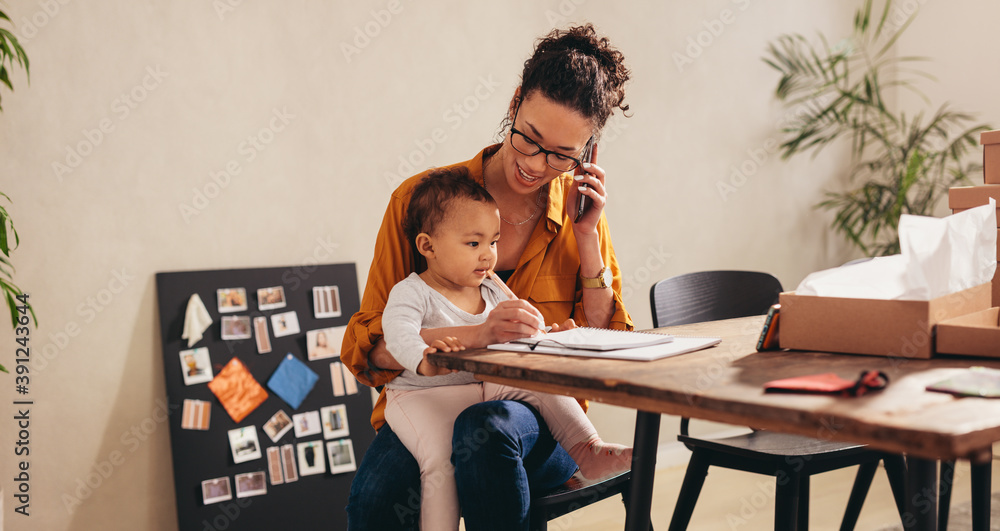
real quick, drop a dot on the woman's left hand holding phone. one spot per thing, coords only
(592, 175)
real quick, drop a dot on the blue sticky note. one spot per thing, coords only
(292, 381)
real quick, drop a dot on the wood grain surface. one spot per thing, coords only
(725, 384)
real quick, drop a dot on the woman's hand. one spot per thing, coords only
(447, 344)
(511, 320)
(593, 176)
(568, 324)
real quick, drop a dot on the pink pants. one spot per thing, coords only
(424, 419)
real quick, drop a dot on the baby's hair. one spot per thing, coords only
(431, 197)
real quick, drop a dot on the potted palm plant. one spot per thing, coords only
(11, 52)
(901, 163)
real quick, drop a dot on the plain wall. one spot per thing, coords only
(146, 104)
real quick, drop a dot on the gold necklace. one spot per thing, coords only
(538, 206)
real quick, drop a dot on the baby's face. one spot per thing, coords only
(465, 242)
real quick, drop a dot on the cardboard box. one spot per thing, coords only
(973, 196)
(874, 327)
(991, 156)
(975, 334)
(957, 210)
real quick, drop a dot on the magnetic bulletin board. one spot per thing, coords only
(240, 492)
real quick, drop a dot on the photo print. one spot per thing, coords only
(216, 490)
(260, 332)
(274, 465)
(326, 301)
(235, 327)
(325, 342)
(307, 424)
(244, 444)
(311, 460)
(285, 324)
(196, 414)
(232, 300)
(278, 425)
(288, 463)
(340, 454)
(196, 366)
(334, 421)
(250, 484)
(271, 298)
(337, 379)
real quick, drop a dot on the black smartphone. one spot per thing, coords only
(589, 155)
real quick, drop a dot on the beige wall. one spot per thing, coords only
(334, 128)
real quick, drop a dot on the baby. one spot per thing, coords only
(454, 224)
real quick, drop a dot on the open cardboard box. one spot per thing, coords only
(869, 326)
(975, 334)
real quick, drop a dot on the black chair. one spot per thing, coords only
(792, 459)
(578, 492)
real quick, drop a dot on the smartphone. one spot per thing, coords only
(589, 155)
(769, 335)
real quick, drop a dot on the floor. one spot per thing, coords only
(738, 501)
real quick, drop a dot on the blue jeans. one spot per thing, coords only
(502, 452)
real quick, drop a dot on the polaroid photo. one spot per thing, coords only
(311, 460)
(260, 332)
(235, 327)
(337, 379)
(325, 342)
(271, 298)
(196, 366)
(326, 301)
(285, 324)
(274, 465)
(350, 384)
(244, 444)
(288, 463)
(250, 484)
(278, 425)
(340, 454)
(216, 490)
(307, 424)
(196, 414)
(334, 421)
(232, 300)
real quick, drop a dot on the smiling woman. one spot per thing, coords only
(556, 262)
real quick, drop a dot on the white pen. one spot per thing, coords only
(507, 291)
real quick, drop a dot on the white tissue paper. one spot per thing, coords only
(939, 256)
(196, 320)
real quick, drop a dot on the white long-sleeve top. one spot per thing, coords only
(413, 305)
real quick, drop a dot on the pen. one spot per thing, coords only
(507, 291)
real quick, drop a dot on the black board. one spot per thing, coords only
(312, 502)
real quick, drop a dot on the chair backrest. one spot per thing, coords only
(711, 296)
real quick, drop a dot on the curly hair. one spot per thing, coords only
(580, 70)
(431, 197)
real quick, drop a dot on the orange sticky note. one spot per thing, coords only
(237, 390)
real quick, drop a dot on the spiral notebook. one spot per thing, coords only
(596, 339)
(679, 345)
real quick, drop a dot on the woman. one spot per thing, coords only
(559, 265)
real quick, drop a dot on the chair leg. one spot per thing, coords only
(786, 502)
(862, 483)
(694, 478)
(945, 484)
(895, 470)
(981, 479)
(626, 493)
(537, 521)
(803, 523)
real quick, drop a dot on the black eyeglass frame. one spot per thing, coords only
(540, 149)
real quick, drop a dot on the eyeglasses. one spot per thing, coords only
(527, 146)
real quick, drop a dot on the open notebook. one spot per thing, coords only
(679, 345)
(597, 339)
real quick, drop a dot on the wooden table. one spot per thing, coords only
(724, 384)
